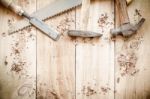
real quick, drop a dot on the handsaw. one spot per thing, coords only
(52, 9)
(33, 20)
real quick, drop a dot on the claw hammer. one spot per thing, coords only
(126, 29)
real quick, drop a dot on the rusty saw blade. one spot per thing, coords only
(48, 11)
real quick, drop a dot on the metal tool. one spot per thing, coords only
(52, 9)
(126, 29)
(33, 20)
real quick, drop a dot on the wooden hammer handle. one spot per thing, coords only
(122, 8)
(85, 14)
(15, 8)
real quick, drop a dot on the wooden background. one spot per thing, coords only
(32, 66)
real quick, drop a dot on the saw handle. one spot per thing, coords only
(15, 8)
(122, 8)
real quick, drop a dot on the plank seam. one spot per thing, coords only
(36, 61)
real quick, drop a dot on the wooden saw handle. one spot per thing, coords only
(122, 8)
(15, 8)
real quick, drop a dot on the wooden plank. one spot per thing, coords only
(94, 56)
(17, 56)
(132, 57)
(56, 59)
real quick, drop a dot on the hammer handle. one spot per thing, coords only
(85, 14)
(122, 7)
(15, 8)
(82, 33)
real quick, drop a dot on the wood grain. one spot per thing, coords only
(17, 56)
(56, 60)
(76, 68)
(94, 56)
(132, 57)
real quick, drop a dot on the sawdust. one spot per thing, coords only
(3, 34)
(134, 45)
(18, 62)
(32, 37)
(49, 93)
(17, 67)
(10, 22)
(88, 91)
(127, 62)
(136, 42)
(6, 62)
(28, 29)
(16, 51)
(137, 13)
(65, 24)
(105, 89)
(127, 58)
(103, 21)
(16, 44)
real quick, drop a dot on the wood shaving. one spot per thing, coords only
(6, 62)
(17, 67)
(105, 89)
(88, 91)
(127, 62)
(103, 21)
(3, 34)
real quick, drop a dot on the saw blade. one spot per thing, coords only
(53, 9)
(45, 29)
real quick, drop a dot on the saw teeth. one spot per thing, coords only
(43, 18)
(18, 30)
(60, 13)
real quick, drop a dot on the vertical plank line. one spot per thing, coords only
(36, 62)
(75, 53)
(114, 50)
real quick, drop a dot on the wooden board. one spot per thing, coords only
(132, 57)
(56, 60)
(94, 56)
(17, 56)
(32, 66)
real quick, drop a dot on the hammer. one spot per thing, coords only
(126, 29)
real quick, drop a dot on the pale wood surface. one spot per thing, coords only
(94, 56)
(134, 53)
(17, 57)
(75, 68)
(56, 60)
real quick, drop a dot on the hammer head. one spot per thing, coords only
(127, 29)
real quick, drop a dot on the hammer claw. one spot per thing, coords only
(137, 26)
